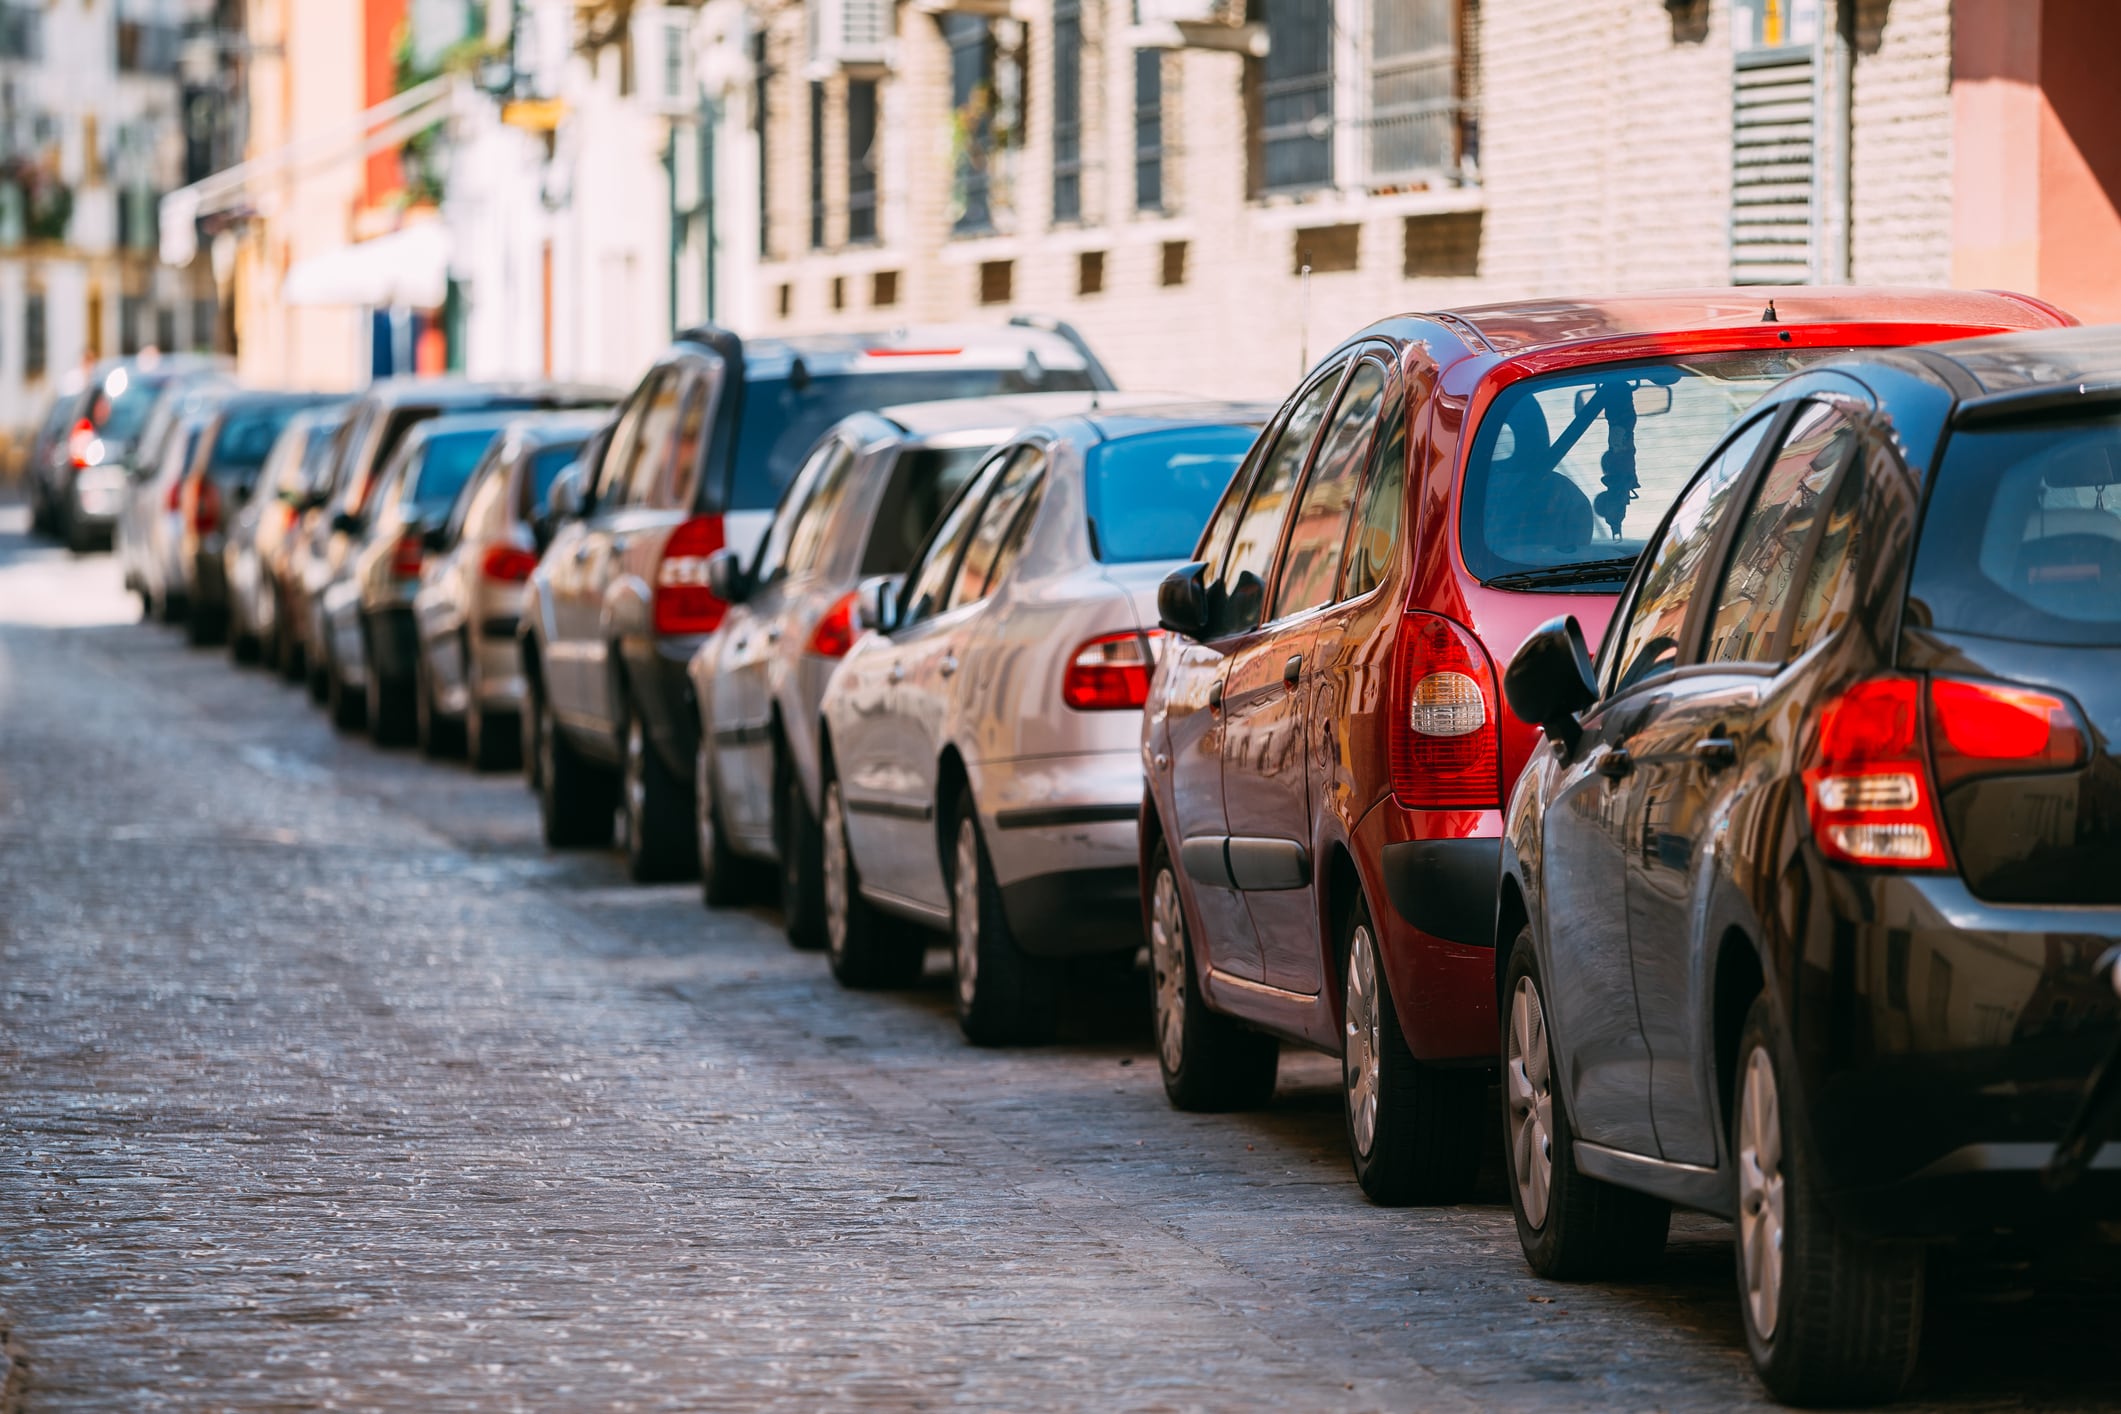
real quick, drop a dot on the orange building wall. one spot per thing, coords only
(382, 21)
(2080, 160)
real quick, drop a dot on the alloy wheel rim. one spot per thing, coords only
(836, 868)
(1359, 1070)
(964, 887)
(1760, 1192)
(1167, 962)
(1529, 1091)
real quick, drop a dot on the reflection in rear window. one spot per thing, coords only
(445, 465)
(1149, 496)
(2022, 538)
(120, 419)
(245, 438)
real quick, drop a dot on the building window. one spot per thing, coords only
(1067, 110)
(21, 31)
(165, 328)
(839, 292)
(1414, 88)
(1322, 250)
(1775, 164)
(1148, 130)
(1443, 246)
(1174, 268)
(33, 334)
(986, 121)
(883, 289)
(205, 314)
(817, 166)
(787, 300)
(1090, 272)
(760, 111)
(1296, 96)
(997, 281)
(132, 322)
(861, 160)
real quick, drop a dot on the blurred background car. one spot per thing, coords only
(180, 395)
(368, 607)
(285, 492)
(862, 504)
(1807, 907)
(468, 677)
(698, 458)
(78, 462)
(151, 525)
(217, 483)
(983, 768)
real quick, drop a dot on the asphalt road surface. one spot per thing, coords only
(324, 1085)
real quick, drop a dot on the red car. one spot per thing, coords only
(1326, 747)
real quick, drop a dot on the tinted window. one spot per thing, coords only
(1773, 537)
(546, 464)
(1646, 641)
(1830, 582)
(652, 449)
(445, 465)
(997, 520)
(922, 483)
(931, 577)
(2022, 538)
(691, 438)
(1377, 521)
(1148, 495)
(245, 438)
(773, 552)
(121, 418)
(1578, 469)
(1310, 566)
(1252, 545)
(782, 422)
(807, 541)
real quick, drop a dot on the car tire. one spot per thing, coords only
(1004, 994)
(1414, 1129)
(725, 877)
(493, 741)
(244, 648)
(436, 736)
(864, 949)
(389, 703)
(1830, 1317)
(204, 627)
(576, 798)
(802, 848)
(83, 539)
(1209, 1061)
(1572, 1227)
(657, 811)
(348, 709)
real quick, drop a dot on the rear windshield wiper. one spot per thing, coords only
(1557, 576)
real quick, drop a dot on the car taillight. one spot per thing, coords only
(1111, 673)
(290, 515)
(1445, 723)
(835, 631)
(507, 564)
(78, 443)
(176, 495)
(1993, 728)
(205, 505)
(405, 556)
(1868, 787)
(683, 602)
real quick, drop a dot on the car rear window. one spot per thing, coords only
(245, 439)
(783, 421)
(546, 464)
(2022, 537)
(922, 484)
(119, 418)
(1570, 474)
(445, 465)
(1148, 496)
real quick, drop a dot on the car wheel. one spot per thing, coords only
(1571, 1226)
(348, 710)
(436, 735)
(802, 847)
(492, 741)
(1414, 1129)
(1209, 1061)
(655, 811)
(864, 948)
(1830, 1317)
(575, 797)
(390, 706)
(723, 876)
(1004, 994)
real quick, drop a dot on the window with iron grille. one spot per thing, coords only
(1413, 123)
(165, 328)
(760, 110)
(972, 65)
(817, 165)
(132, 314)
(1296, 95)
(33, 334)
(1148, 130)
(861, 160)
(21, 31)
(1067, 110)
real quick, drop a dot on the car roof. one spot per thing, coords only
(2039, 361)
(1164, 415)
(1004, 413)
(453, 423)
(913, 348)
(239, 399)
(445, 392)
(543, 428)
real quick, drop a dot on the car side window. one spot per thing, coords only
(806, 542)
(654, 441)
(1772, 538)
(1646, 644)
(1375, 543)
(617, 463)
(1257, 535)
(702, 384)
(773, 552)
(1830, 580)
(1310, 564)
(997, 520)
(930, 579)
(480, 508)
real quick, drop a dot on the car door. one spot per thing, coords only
(1260, 849)
(629, 533)
(1604, 1057)
(576, 561)
(1690, 758)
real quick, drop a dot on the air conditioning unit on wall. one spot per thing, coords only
(853, 34)
(1194, 24)
(662, 58)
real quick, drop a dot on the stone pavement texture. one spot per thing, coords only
(322, 1085)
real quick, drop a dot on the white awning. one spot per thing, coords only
(408, 267)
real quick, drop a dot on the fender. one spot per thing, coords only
(625, 614)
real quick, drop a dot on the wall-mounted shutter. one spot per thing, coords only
(1775, 167)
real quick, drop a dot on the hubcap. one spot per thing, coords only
(1760, 1192)
(1360, 1066)
(837, 868)
(1528, 1087)
(964, 885)
(1167, 963)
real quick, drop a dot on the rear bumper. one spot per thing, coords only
(1435, 925)
(1076, 912)
(1444, 887)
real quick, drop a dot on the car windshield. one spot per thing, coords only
(119, 416)
(783, 421)
(445, 465)
(546, 464)
(1149, 496)
(1570, 474)
(245, 438)
(2022, 538)
(922, 483)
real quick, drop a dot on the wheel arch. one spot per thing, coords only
(951, 777)
(1511, 916)
(1343, 891)
(1740, 976)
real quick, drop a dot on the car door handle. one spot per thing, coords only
(1292, 670)
(948, 667)
(1616, 763)
(1716, 751)
(618, 544)
(773, 635)
(898, 672)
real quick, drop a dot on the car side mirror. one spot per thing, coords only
(564, 501)
(877, 604)
(726, 579)
(346, 523)
(1182, 600)
(1550, 681)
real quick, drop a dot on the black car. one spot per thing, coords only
(1810, 912)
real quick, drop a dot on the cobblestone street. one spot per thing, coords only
(326, 1086)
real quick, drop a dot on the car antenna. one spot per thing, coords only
(1770, 317)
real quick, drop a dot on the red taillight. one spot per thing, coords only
(176, 495)
(1111, 674)
(835, 631)
(1987, 728)
(507, 564)
(205, 505)
(289, 515)
(78, 443)
(1445, 725)
(1868, 787)
(405, 556)
(683, 602)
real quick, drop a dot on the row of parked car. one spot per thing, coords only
(1798, 902)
